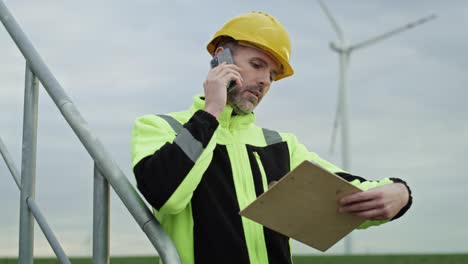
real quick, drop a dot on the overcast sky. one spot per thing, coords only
(121, 59)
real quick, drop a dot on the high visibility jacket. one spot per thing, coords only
(198, 173)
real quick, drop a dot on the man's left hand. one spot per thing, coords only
(380, 203)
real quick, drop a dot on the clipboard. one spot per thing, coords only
(303, 205)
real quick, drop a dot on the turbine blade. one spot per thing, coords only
(393, 32)
(332, 20)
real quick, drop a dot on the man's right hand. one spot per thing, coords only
(215, 86)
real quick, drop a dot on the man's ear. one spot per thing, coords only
(217, 51)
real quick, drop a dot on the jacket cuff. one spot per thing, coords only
(410, 199)
(208, 119)
(202, 125)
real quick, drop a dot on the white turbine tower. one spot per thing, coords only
(341, 115)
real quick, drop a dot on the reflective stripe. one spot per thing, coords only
(192, 147)
(184, 139)
(176, 126)
(271, 137)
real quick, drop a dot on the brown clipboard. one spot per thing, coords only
(303, 205)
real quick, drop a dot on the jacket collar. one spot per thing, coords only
(225, 119)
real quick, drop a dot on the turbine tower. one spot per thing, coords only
(344, 51)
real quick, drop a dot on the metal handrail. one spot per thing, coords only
(105, 165)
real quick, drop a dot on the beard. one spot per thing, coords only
(240, 104)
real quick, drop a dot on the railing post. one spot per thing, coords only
(100, 218)
(28, 167)
(40, 219)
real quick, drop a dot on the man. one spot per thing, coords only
(198, 168)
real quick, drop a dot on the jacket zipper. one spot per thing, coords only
(262, 171)
(255, 255)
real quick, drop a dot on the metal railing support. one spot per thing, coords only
(10, 164)
(40, 219)
(42, 222)
(95, 148)
(28, 167)
(100, 218)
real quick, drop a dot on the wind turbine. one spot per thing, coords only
(344, 51)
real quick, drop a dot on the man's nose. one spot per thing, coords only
(264, 80)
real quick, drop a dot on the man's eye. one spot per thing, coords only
(255, 65)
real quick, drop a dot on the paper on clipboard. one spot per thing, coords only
(303, 205)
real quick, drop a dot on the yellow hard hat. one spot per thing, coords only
(262, 31)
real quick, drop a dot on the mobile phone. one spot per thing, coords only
(224, 56)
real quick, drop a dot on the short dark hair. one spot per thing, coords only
(228, 42)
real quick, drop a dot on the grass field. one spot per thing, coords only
(367, 259)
